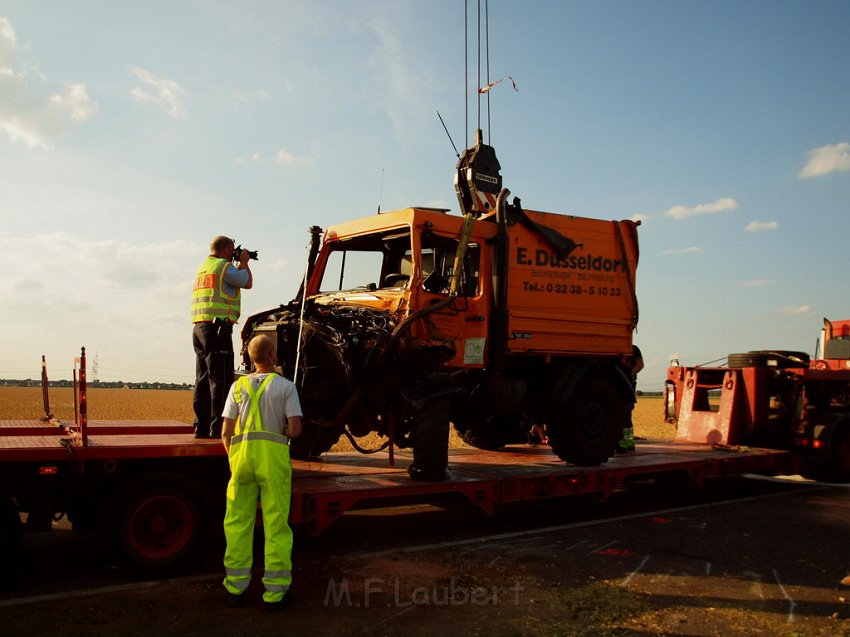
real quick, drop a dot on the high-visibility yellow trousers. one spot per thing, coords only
(260, 469)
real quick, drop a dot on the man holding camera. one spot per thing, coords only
(215, 308)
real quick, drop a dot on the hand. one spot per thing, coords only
(243, 258)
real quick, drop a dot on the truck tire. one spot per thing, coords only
(313, 441)
(493, 435)
(778, 359)
(586, 430)
(158, 520)
(431, 441)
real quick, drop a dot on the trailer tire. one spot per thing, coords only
(775, 358)
(431, 441)
(158, 521)
(586, 430)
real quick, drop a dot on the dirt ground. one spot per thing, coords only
(768, 561)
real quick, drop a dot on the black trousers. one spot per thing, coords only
(213, 344)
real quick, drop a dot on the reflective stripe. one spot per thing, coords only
(275, 574)
(238, 572)
(240, 584)
(259, 435)
(253, 421)
(276, 588)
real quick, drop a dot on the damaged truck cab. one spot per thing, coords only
(412, 319)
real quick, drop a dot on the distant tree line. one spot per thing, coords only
(111, 384)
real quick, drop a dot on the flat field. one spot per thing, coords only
(154, 404)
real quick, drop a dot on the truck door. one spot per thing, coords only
(461, 326)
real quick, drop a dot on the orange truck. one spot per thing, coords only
(492, 320)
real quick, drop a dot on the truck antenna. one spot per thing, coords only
(381, 191)
(457, 154)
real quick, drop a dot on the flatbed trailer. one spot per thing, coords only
(324, 490)
(151, 486)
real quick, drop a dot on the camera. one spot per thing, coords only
(238, 250)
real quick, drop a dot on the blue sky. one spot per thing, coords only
(131, 133)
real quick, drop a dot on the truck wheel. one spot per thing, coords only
(778, 359)
(431, 441)
(158, 521)
(587, 429)
(313, 441)
(502, 430)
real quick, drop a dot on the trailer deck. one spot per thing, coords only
(325, 488)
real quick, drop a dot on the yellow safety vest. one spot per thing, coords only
(209, 300)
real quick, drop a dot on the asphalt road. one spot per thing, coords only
(743, 556)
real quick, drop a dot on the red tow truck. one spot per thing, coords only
(150, 487)
(775, 399)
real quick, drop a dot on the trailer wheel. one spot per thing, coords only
(159, 521)
(775, 358)
(587, 429)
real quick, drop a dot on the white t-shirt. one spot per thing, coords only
(278, 402)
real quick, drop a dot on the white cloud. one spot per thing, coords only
(250, 96)
(827, 159)
(802, 309)
(756, 283)
(639, 217)
(288, 158)
(758, 226)
(125, 298)
(32, 116)
(689, 250)
(8, 45)
(159, 91)
(685, 212)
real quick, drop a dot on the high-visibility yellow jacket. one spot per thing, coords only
(209, 300)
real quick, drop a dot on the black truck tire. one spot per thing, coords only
(493, 435)
(313, 441)
(586, 430)
(431, 441)
(775, 358)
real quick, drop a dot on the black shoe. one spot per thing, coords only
(274, 607)
(201, 435)
(235, 601)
